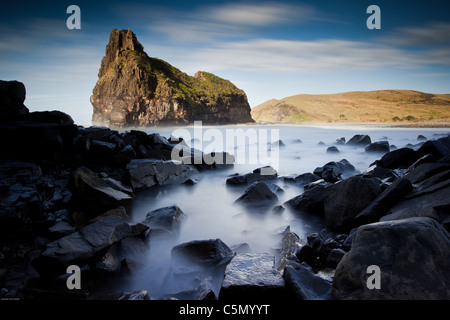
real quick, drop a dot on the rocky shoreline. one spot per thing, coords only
(66, 192)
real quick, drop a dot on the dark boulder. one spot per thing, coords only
(429, 199)
(258, 194)
(260, 174)
(386, 200)
(306, 178)
(334, 171)
(212, 252)
(359, 140)
(146, 173)
(332, 149)
(166, 220)
(400, 158)
(81, 247)
(303, 284)
(94, 194)
(379, 146)
(344, 200)
(438, 148)
(12, 97)
(310, 201)
(413, 256)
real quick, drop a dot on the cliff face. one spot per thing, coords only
(136, 90)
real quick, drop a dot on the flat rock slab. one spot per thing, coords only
(145, 173)
(82, 246)
(252, 276)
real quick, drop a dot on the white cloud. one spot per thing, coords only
(217, 22)
(284, 56)
(431, 34)
(260, 14)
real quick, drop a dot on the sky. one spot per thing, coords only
(270, 49)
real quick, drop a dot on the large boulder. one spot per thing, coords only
(379, 146)
(145, 173)
(258, 194)
(430, 199)
(400, 158)
(344, 200)
(413, 256)
(252, 276)
(438, 148)
(212, 252)
(334, 171)
(94, 194)
(359, 140)
(166, 220)
(81, 247)
(386, 200)
(310, 201)
(259, 174)
(303, 284)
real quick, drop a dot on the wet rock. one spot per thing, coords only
(438, 148)
(306, 178)
(334, 257)
(421, 137)
(166, 220)
(382, 203)
(310, 201)
(380, 172)
(93, 194)
(332, 149)
(252, 277)
(333, 171)
(400, 158)
(413, 256)
(288, 246)
(346, 199)
(359, 140)
(260, 174)
(241, 248)
(424, 171)
(212, 252)
(428, 158)
(81, 247)
(379, 146)
(128, 295)
(340, 141)
(303, 284)
(258, 194)
(61, 229)
(430, 199)
(145, 173)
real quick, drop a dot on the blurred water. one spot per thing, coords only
(209, 204)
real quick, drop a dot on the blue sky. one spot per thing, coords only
(270, 49)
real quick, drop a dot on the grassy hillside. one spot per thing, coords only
(384, 106)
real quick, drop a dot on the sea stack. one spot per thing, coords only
(136, 90)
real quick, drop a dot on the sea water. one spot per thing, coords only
(210, 204)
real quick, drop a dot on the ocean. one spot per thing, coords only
(210, 203)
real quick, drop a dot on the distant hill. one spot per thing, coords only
(383, 106)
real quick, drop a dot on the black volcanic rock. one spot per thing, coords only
(12, 97)
(136, 90)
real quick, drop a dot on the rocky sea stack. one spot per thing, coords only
(136, 90)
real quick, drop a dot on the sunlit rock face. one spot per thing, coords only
(136, 90)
